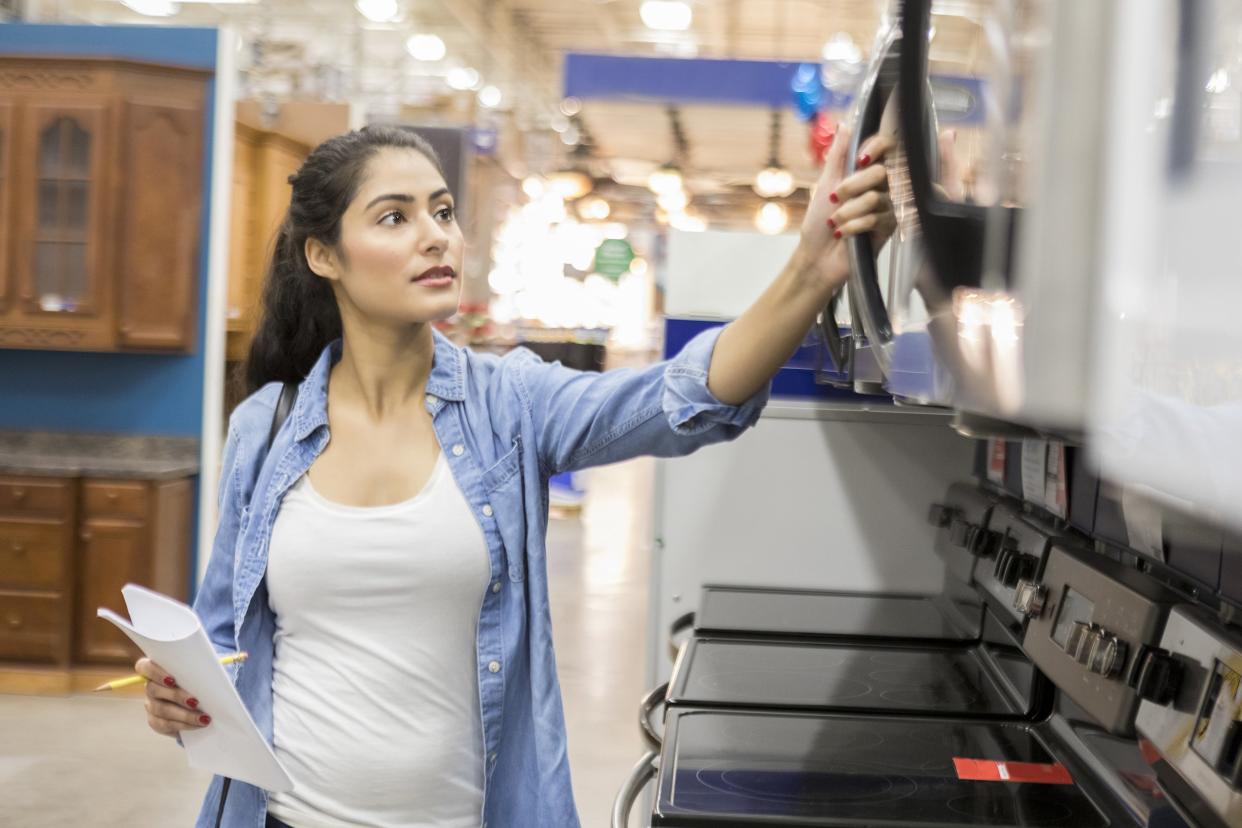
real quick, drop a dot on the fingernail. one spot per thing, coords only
(836, 233)
(192, 702)
(832, 222)
(833, 197)
(204, 719)
(864, 160)
(169, 681)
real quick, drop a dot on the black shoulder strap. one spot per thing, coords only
(283, 406)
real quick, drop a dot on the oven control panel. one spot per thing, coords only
(1009, 552)
(1093, 624)
(1193, 714)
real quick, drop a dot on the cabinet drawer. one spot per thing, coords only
(33, 555)
(32, 628)
(117, 499)
(35, 497)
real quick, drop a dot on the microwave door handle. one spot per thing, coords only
(1193, 43)
(865, 289)
(837, 346)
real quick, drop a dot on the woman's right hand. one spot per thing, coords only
(170, 709)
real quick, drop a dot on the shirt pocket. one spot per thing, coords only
(502, 482)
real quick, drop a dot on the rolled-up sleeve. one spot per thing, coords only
(584, 419)
(689, 404)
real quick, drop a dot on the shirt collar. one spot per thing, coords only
(447, 381)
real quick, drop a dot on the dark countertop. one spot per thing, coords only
(52, 454)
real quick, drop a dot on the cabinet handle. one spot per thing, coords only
(13, 620)
(112, 497)
(19, 495)
(19, 549)
(86, 535)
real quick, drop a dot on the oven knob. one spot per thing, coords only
(1029, 598)
(985, 543)
(940, 515)
(1090, 641)
(1108, 655)
(1017, 567)
(1157, 676)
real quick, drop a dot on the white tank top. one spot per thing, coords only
(374, 686)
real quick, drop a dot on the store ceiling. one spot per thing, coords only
(327, 49)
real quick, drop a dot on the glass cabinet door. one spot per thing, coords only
(62, 274)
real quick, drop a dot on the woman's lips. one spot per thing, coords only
(435, 277)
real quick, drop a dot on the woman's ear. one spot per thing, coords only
(321, 259)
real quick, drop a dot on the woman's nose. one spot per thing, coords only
(431, 236)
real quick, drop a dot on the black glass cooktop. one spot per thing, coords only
(753, 768)
(803, 674)
(792, 612)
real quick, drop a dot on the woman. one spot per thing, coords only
(389, 583)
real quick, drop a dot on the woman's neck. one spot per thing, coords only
(382, 370)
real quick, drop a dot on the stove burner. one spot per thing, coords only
(1019, 810)
(835, 782)
(898, 659)
(742, 683)
(927, 696)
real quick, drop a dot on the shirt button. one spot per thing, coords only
(494, 666)
(432, 399)
(459, 450)
(496, 587)
(487, 510)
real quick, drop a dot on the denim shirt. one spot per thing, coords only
(506, 425)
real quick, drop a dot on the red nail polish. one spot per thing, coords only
(204, 719)
(169, 681)
(864, 160)
(836, 233)
(832, 222)
(833, 198)
(192, 702)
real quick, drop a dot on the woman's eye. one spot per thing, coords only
(445, 214)
(392, 217)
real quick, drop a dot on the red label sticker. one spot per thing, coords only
(990, 770)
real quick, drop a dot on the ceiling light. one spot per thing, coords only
(665, 179)
(427, 47)
(594, 209)
(687, 223)
(571, 106)
(842, 47)
(666, 15)
(533, 186)
(772, 218)
(673, 201)
(378, 11)
(153, 8)
(462, 78)
(570, 184)
(1218, 82)
(490, 97)
(774, 182)
(571, 136)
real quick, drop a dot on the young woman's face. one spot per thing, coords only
(400, 252)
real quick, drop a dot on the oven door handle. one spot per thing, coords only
(650, 702)
(639, 777)
(682, 625)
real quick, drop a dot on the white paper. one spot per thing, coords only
(1144, 520)
(170, 634)
(1034, 469)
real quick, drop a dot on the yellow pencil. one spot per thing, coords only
(132, 680)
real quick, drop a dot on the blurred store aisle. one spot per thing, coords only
(91, 761)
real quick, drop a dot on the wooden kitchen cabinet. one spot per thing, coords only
(67, 546)
(262, 164)
(100, 204)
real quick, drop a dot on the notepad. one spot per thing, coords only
(170, 634)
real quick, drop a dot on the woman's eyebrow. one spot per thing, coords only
(405, 198)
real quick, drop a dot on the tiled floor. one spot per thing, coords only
(90, 762)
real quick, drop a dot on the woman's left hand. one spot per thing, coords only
(842, 207)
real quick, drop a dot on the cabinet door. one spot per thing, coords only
(6, 199)
(60, 261)
(158, 266)
(111, 554)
